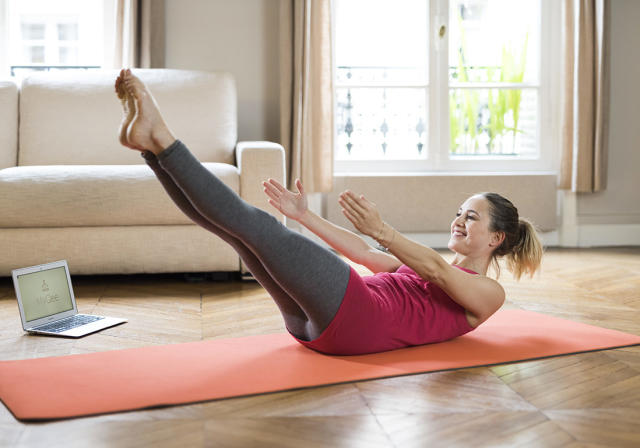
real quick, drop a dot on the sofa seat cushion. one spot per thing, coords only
(92, 195)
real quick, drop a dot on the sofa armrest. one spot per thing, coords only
(258, 161)
(8, 124)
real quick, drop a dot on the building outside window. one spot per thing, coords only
(445, 85)
(51, 35)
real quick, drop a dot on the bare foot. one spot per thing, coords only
(147, 130)
(129, 108)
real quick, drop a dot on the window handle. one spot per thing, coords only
(440, 32)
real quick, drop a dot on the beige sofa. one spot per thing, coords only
(69, 190)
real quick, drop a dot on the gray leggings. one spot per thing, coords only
(306, 280)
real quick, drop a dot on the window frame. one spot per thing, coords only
(437, 102)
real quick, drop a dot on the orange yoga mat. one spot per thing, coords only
(120, 380)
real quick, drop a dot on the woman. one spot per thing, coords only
(414, 298)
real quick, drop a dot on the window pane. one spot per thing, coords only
(67, 31)
(68, 55)
(382, 41)
(493, 121)
(379, 123)
(32, 31)
(55, 27)
(33, 54)
(494, 40)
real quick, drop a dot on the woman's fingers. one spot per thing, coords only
(272, 188)
(272, 195)
(347, 206)
(350, 217)
(276, 185)
(351, 199)
(275, 205)
(299, 186)
(366, 202)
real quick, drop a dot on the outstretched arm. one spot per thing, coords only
(352, 246)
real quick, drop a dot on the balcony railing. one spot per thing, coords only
(382, 114)
(21, 70)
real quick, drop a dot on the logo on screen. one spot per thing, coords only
(45, 287)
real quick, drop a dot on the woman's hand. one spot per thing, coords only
(362, 213)
(290, 204)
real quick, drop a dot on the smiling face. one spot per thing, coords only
(470, 230)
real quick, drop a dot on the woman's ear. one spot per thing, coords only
(496, 239)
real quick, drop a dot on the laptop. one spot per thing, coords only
(48, 306)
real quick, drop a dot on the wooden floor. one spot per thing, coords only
(587, 400)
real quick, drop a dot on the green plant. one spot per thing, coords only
(465, 115)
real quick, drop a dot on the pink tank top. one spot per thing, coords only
(391, 310)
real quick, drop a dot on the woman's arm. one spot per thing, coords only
(349, 244)
(352, 246)
(479, 295)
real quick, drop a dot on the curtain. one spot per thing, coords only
(586, 96)
(139, 39)
(306, 92)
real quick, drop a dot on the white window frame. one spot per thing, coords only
(50, 22)
(437, 92)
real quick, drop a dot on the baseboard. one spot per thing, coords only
(594, 235)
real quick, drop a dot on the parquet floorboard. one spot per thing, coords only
(589, 400)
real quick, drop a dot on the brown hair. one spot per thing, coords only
(521, 245)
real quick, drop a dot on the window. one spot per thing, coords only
(46, 35)
(445, 85)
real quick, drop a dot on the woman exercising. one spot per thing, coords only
(415, 296)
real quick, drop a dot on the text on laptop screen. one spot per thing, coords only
(45, 293)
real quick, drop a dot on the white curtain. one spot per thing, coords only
(306, 92)
(586, 96)
(139, 34)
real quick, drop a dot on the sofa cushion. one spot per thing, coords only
(8, 124)
(72, 118)
(92, 195)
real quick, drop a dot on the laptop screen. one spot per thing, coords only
(45, 293)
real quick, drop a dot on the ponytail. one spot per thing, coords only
(526, 255)
(521, 246)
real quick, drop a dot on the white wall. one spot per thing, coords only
(238, 36)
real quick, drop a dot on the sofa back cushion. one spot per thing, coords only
(8, 124)
(72, 118)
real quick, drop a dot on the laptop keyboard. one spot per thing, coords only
(68, 323)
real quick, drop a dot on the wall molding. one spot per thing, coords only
(598, 235)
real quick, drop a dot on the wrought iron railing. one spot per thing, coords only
(382, 113)
(47, 68)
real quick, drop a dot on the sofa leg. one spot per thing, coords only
(247, 277)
